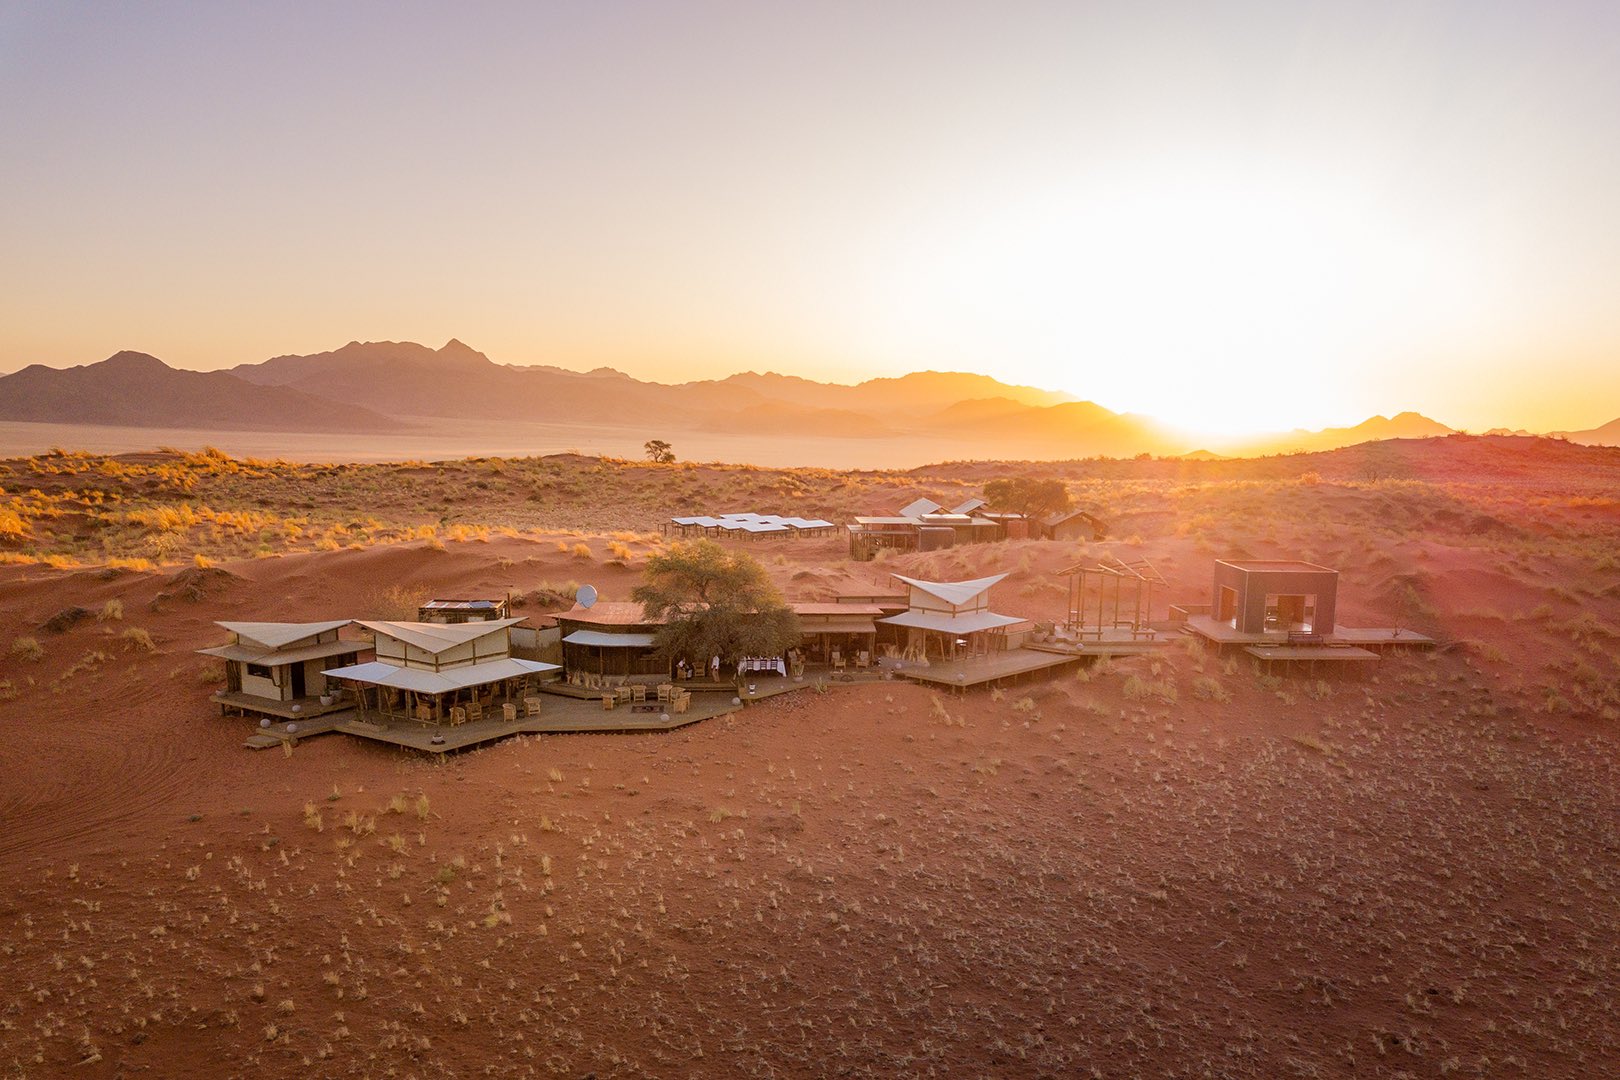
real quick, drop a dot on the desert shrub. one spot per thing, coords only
(1209, 688)
(134, 637)
(12, 526)
(113, 609)
(582, 550)
(1140, 689)
(28, 648)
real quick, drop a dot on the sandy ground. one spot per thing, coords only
(1167, 867)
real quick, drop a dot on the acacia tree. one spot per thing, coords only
(1030, 497)
(714, 602)
(659, 451)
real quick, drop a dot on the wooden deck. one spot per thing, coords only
(298, 708)
(1333, 654)
(1107, 642)
(991, 669)
(560, 714)
(1374, 637)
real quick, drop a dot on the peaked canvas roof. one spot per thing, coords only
(274, 635)
(921, 507)
(952, 592)
(255, 654)
(435, 638)
(969, 506)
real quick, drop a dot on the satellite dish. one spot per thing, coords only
(586, 596)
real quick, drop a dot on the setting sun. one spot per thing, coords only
(1210, 299)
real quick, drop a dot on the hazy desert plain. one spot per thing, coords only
(1174, 866)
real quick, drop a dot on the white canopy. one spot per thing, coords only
(440, 682)
(609, 641)
(273, 635)
(953, 592)
(435, 638)
(256, 654)
(970, 623)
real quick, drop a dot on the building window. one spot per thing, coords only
(258, 671)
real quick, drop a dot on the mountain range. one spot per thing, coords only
(389, 386)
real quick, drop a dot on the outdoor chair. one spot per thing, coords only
(531, 706)
(458, 715)
(638, 693)
(475, 710)
(608, 701)
(509, 710)
(665, 691)
(863, 659)
(623, 694)
(424, 714)
(682, 702)
(837, 660)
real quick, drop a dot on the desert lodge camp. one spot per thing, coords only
(467, 671)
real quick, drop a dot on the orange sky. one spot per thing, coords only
(1238, 217)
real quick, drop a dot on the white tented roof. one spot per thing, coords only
(952, 592)
(273, 635)
(969, 506)
(970, 623)
(435, 638)
(921, 507)
(255, 654)
(440, 682)
(609, 641)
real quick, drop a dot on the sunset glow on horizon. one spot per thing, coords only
(1234, 218)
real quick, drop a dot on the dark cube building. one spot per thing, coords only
(1261, 596)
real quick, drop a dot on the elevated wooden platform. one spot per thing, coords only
(1333, 654)
(559, 715)
(1110, 641)
(298, 708)
(995, 668)
(1373, 637)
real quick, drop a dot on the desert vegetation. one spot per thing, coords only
(1176, 865)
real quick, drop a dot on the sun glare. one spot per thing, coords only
(1213, 306)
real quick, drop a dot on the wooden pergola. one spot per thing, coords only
(1128, 605)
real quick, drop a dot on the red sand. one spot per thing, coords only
(1411, 874)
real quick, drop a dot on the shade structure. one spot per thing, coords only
(435, 638)
(253, 654)
(969, 623)
(423, 681)
(274, 635)
(953, 592)
(599, 639)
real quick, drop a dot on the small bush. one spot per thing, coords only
(134, 637)
(28, 648)
(113, 609)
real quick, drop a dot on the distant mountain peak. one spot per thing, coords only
(130, 360)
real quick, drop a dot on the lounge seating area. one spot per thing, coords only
(665, 697)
